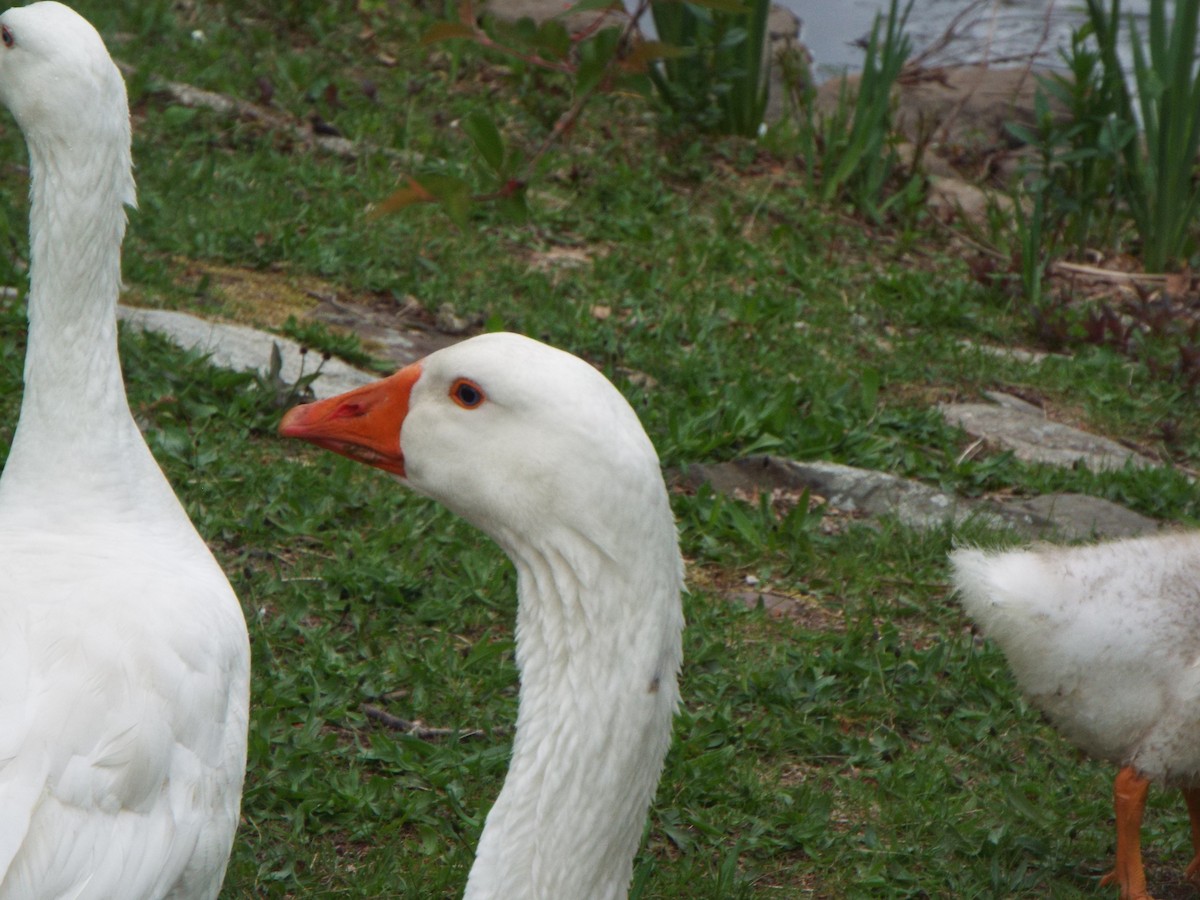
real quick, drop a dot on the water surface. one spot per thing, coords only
(1000, 32)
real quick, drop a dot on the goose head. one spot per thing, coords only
(517, 437)
(62, 87)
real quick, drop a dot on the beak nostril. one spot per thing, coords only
(348, 411)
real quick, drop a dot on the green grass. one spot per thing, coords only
(868, 748)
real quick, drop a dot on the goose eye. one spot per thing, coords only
(466, 394)
(6, 35)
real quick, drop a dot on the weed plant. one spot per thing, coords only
(865, 743)
(1075, 183)
(1112, 175)
(719, 82)
(850, 153)
(1163, 191)
(1134, 155)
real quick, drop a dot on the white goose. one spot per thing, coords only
(541, 452)
(124, 660)
(1105, 639)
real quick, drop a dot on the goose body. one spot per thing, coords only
(1105, 640)
(124, 658)
(541, 452)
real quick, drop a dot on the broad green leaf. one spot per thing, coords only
(553, 40)
(515, 207)
(452, 193)
(595, 56)
(486, 137)
(733, 38)
(1023, 134)
(523, 31)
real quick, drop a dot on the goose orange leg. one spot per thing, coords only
(1129, 800)
(1192, 797)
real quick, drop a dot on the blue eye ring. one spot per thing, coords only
(467, 393)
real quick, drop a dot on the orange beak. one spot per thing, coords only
(363, 424)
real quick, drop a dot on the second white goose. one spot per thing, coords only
(540, 451)
(1105, 640)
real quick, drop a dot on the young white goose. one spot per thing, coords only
(124, 660)
(541, 452)
(1105, 639)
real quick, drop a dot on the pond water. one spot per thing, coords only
(994, 31)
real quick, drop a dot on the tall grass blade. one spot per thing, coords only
(859, 159)
(1158, 181)
(717, 81)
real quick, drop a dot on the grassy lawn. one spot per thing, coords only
(869, 747)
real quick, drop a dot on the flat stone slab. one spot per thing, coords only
(843, 487)
(853, 490)
(1079, 517)
(877, 494)
(1011, 423)
(245, 349)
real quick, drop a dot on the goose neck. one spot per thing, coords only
(77, 224)
(598, 648)
(75, 430)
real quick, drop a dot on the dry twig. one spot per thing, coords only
(1113, 277)
(422, 732)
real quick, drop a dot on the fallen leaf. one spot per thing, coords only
(408, 195)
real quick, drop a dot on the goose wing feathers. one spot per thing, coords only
(119, 747)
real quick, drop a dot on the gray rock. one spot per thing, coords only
(844, 487)
(951, 198)
(1015, 425)
(968, 105)
(1079, 517)
(789, 64)
(244, 349)
(877, 494)
(541, 10)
